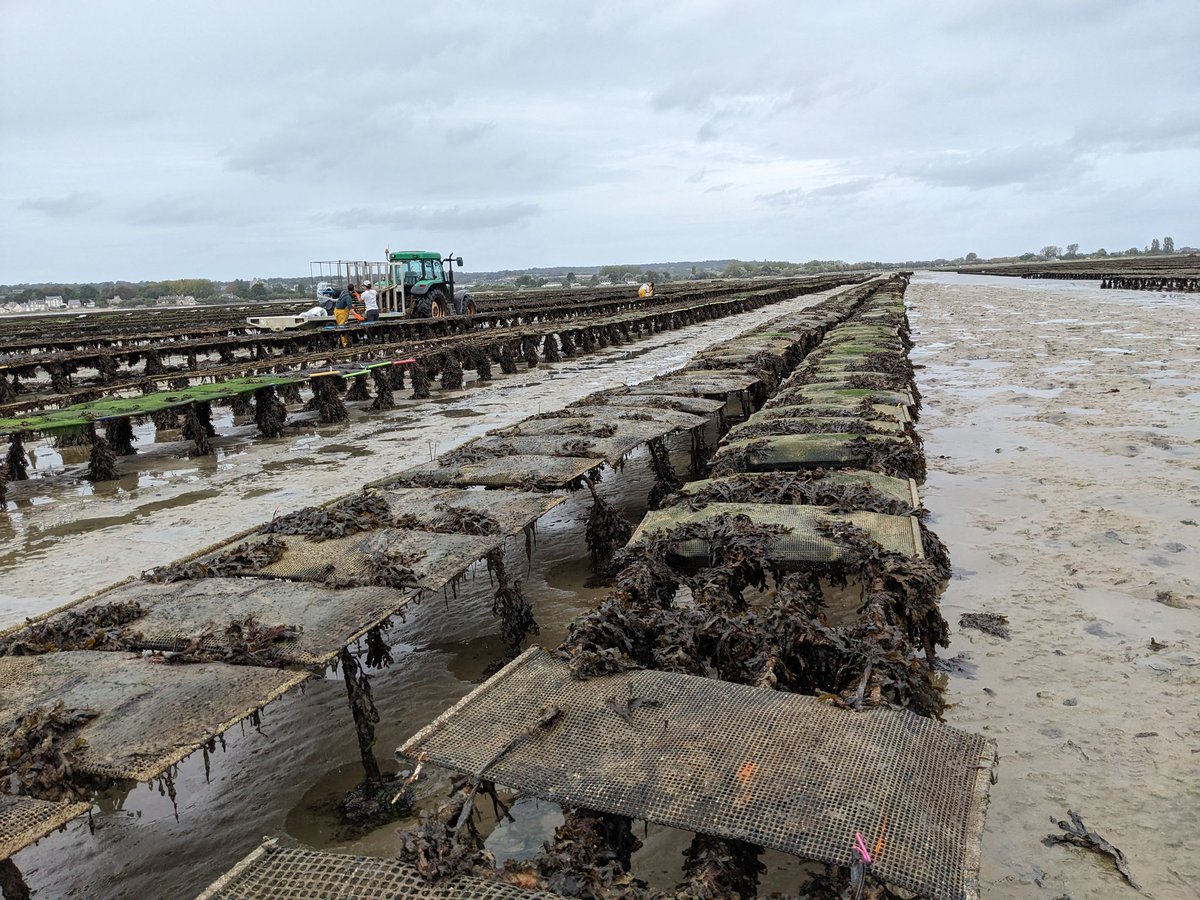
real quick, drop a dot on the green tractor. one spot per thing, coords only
(421, 283)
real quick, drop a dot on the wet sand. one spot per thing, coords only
(1062, 428)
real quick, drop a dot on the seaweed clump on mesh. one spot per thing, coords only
(589, 856)
(365, 511)
(42, 753)
(102, 464)
(529, 351)
(620, 635)
(198, 428)
(327, 400)
(452, 373)
(797, 488)
(900, 458)
(868, 663)
(120, 437)
(461, 520)
(391, 567)
(384, 399)
(783, 427)
(738, 459)
(420, 381)
(900, 590)
(738, 557)
(165, 419)
(715, 868)
(241, 642)
(17, 461)
(244, 559)
(510, 605)
(270, 413)
(482, 363)
(472, 453)
(508, 361)
(94, 628)
(436, 847)
(239, 405)
(606, 532)
(666, 482)
(358, 390)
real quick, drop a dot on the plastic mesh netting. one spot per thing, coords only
(512, 510)
(782, 771)
(804, 543)
(522, 471)
(24, 820)
(433, 559)
(903, 490)
(779, 426)
(700, 406)
(292, 873)
(177, 612)
(148, 716)
(844, 409)
(590, 426)
(829, 392)
(804, 451)
(705, 382)
(619, 415)
(609, 449)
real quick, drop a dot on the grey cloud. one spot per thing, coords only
(466, 134)
(432, 218)
(709, 131)
(1179, 129)
(688, 95)
(794, 197)
(69, 205)
(785, 199)
(1035, 167)
(186, 212)
(999, 16)
(697, 176)
(717, 188)
(845, 188)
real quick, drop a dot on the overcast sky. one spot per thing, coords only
(148, 140)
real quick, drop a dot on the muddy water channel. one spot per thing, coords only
(1062, 431)
(64, 538)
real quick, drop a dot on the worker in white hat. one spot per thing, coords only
(370, 301)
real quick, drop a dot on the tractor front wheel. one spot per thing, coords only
(420, 307)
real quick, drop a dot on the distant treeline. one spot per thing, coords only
(142, 293)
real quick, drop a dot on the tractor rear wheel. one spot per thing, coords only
(437, 303)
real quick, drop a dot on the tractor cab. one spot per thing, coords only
(426, 281)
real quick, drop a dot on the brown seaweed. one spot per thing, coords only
(365, 511)
(244, 559)
(96, 627)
